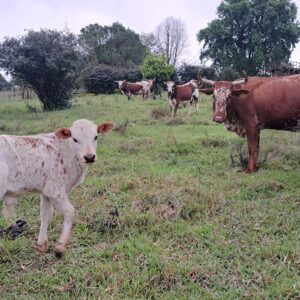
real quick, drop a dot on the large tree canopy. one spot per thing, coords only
(251, 35)
(46, 60)
(113, 45)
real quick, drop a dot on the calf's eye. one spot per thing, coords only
(96, 137)
(76, 141)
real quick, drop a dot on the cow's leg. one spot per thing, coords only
(190, 107)
(175, 109)
(67, 209)
(196, 103)
(9, 206)
(253, 135)
(46, 214)
(171, 107)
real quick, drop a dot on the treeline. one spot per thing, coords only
(247, 35)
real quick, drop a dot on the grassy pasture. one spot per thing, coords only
(191, 225)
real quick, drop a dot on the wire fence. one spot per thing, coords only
(17, 93)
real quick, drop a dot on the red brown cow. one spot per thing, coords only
(129, 88)
(246, 107)
(187, 93)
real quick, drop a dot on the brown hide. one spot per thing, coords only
(273, 103)
(134, 87)
(183, 92)
(129, 88)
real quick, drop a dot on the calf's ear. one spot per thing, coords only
(105, 127)
(63, 133)
(207, 91)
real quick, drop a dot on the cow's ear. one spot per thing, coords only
(63, 133)
(207, 91)
(240, 93)
(105, 127)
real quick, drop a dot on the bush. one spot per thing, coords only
(100, 79)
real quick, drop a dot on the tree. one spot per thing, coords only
(169, 39)
(188, 72)
(112, 45)
(46, 60)
(3, 83)
(251, 35)
(156, 67)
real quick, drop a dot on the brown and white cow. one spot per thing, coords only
(132, 88)
(245, 107)
(187, 93)
(50, 164)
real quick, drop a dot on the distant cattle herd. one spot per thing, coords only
(52, 164)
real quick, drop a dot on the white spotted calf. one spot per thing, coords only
(51, 164)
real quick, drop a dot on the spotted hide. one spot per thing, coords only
(50, 164)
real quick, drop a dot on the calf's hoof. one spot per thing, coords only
(43, 248)
(59, 251)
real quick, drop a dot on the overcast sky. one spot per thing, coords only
(141, 16)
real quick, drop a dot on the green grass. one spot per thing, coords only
(191, 224)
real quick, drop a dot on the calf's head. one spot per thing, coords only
(83, 136)
(222, 92)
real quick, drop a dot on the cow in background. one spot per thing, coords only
(142, 87)
(247, 106)
(187, 93)
(130, 88)
(147, 86)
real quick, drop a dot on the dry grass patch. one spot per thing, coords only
(157, 113)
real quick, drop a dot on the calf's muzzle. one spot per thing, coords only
(89, 158)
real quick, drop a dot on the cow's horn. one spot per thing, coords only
(204, 80)
(209, 82)
(237, 82)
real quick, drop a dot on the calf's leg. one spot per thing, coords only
(46, 214)
(3, 179)
(67, 209)
(9, 206)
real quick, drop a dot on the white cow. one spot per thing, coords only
(51, 164)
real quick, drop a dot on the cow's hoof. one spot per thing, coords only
(249, 171)
(59, 251)
(43, 248)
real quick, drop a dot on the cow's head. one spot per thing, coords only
(222, 92)
(120, 83)
(83, 136)
(170, 87)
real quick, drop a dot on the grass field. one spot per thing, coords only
(190, 224)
